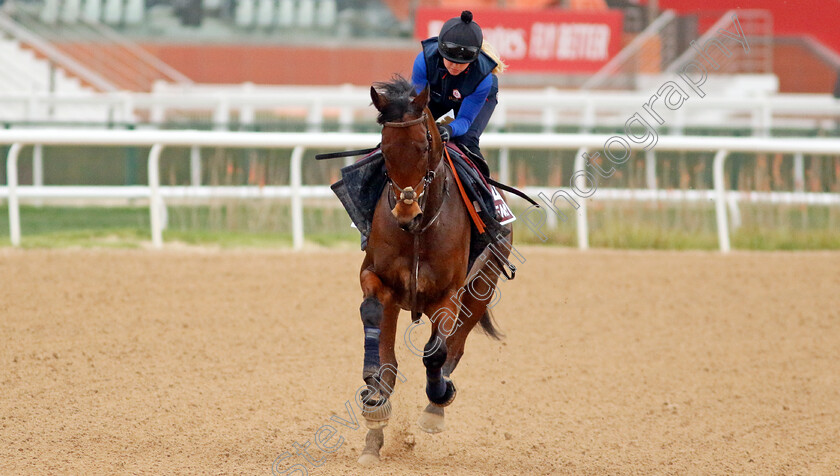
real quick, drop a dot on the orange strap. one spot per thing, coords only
(470, 208)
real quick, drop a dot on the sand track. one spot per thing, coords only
(207, 362)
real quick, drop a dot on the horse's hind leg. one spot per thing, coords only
(439, 389)
(474, 301)
(472, 312)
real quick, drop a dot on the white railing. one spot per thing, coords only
(349, 105)
(298, 142)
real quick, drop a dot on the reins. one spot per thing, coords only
(410, 123)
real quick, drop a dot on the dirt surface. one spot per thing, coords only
(205, 362)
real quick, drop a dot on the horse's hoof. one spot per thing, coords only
(377, 416)
(431, 422)
(368, 459)
(448, 397)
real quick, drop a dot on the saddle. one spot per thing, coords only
(361, 186)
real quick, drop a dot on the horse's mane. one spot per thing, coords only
(398, 93)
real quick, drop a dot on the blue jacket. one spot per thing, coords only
(465, 93)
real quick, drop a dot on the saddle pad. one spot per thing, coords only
(503, 212)
(362, 183)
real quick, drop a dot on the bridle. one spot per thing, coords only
(409, 195)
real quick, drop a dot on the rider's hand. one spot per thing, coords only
(445, 132)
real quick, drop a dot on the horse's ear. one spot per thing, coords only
(378, 102)
(422, 99)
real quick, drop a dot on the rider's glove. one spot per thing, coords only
(445, 132)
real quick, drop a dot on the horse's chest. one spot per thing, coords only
(427, 277)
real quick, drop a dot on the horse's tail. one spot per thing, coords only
(488, 325)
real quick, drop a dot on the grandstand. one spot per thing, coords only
(23, 71)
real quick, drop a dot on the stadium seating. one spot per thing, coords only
(21, 70)
(269, 14)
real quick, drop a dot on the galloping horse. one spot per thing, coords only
(416, 259)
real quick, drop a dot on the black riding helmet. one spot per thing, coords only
(460, 39)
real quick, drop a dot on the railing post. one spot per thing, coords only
(588, 120)
(195, 166)
(679, 122)
(499, 117)
(297, 200)
(798, 172)
(12, 180)
(155, 201)
(650, 169)
(762, 119)
(38, 169)
(734, 212)
(127, 102)
(766, 119)
(221, 116)
(504, 165)
(549, 118)
(157, 113)
(247, 114)
(720, 201)
(315, 118)
(345, 120)
(582, 218)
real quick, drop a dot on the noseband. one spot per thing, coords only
(409, 194)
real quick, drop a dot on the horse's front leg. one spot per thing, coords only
(439, 389)
(379, 316)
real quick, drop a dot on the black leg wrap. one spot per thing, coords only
(371, 311)
(447, 397)
(435, 384)
(436, 359)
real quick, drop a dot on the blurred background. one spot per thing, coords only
(575, 67)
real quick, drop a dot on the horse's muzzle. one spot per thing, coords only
(408, 216)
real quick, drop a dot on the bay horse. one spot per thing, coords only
(416, 260)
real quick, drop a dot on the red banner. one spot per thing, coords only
(544, 41)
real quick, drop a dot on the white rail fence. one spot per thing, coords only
(348, 105)
(299, 142)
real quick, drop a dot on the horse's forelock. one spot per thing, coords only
(397, 95)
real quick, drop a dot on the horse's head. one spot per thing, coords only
(411, 146)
